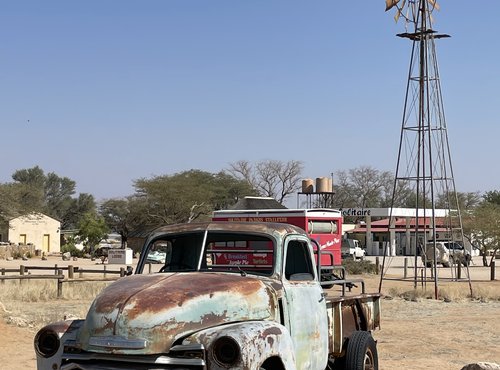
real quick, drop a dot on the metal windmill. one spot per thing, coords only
(424, 162)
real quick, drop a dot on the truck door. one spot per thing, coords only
(305, 306)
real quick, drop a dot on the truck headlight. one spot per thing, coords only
(47, 343)
(226, 351)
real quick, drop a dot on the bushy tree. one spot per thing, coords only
(92, 229)
(492, 196)
(186, 196)
(123, 215)
(482, 226)
(51, 194)
(10, 204)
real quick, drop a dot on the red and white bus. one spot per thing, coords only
(322, 225)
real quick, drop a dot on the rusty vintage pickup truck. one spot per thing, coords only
(220, 296)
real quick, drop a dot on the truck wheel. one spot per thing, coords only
(361, 353)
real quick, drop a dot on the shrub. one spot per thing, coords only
(358, 267)
(74, 251)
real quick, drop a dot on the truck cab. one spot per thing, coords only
(223, 296)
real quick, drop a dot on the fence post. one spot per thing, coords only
(406, 268)
(21, 272)
(71, 272)
(104, 271)
(492, 266)
(122, 271)
(3, 274)
(459, 270)
(377, 265)
(55, 269)
(59, 284)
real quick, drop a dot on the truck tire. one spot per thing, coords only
(361, 353)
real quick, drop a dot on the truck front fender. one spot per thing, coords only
(50, 340)
(255, 341)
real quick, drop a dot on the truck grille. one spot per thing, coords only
(181, 357)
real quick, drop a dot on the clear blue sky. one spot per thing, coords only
(105, 92)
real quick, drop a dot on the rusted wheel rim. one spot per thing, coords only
(369, 363)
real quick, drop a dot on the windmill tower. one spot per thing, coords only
(424, 163)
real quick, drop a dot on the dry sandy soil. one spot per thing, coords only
(416, 333)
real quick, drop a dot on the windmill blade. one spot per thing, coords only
(400, 11)
(397, 15)
(434, 4)
(389, 4)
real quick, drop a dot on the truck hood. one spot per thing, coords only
(146, 314)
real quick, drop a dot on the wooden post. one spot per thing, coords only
(459, 270)
(406, 268)
(59, 284)
(71, 272)
(492, 266)
(377, 265)
(104, 271)
(21, 272)
(55, 269)
(3, 274)
(122, 271)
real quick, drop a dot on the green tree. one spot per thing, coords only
(10, 205)
(482, 226)
(92, 229)
(492, 196)
(123, 215)
(81, 205)
(52, 195)
(186, 196)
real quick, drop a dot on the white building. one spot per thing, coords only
(38, 229)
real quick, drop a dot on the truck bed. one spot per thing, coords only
(348, 313)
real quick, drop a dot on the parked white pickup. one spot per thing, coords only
(351, 249)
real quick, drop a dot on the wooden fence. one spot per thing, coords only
(24, 273)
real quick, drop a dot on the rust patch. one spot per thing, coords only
(271, 331)
(178, 289)
(120, 291)
(67, 326)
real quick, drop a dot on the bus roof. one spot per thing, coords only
(302, 212)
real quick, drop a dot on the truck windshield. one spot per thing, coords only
(210, 252)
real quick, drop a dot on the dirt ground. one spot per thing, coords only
(415, 334)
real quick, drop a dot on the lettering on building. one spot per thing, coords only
(355, 212)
